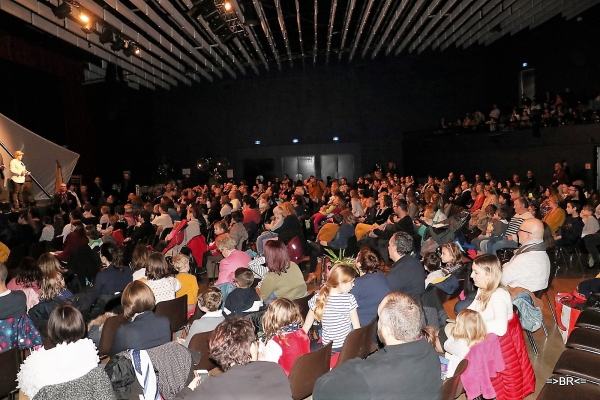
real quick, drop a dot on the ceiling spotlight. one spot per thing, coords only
(137, 51)
(227, 6)
(295, 141)
(84, 18)
(106, 36)
(335, 138)
(118, 44)
(129, 48)
(525, 65)
(257, 142)
(62, 10)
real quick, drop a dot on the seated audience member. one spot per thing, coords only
(284, 278)
(13, 303)
(233, 259)
(144, 230)
(406, 274)
(75, 239)
(243, 299)
(115, 276)
(250, 210)
(159, 278)
(590, 223)
(370, 287)
(28, 276)
(433, 265)
(73, 357)
(571, 230)
(407, 368)
(145, 330)
(233, 346)
(554, 215)
(468, 330)
(509, 240)
(285, 339)
(237, 229)
(335, 307)
(368, 217)
(48, 231)
(529, 267)
(164, 219)
(209, 302)
(189, 284)
(139, 261)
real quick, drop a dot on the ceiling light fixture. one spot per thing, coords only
(295, 141)
(62, 11)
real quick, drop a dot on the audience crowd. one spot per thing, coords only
(94, 261)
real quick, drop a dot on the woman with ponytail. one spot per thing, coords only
(335, 307)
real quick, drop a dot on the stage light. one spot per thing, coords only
(84, 18)
(257, 142)
(295, 141)
(118, 44)
(129, 49)
(335, 138)
(525, 64)
(106, 36)
(137, 51)
(227, 6)
(62, 11)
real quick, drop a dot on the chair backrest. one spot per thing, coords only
(111, 325)
(452, 387)
(10, 361)
(175, 310)
(199, 342)
(307, 369)
(303, 305)
(357, 344)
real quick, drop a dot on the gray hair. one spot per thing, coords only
(402, 314)
(403, 242)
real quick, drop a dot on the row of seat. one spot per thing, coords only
(577, 371)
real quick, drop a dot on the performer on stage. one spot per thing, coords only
(18, 170)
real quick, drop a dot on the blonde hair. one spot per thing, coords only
(181, 262)
(52, 285)
(469, 325)
(288, 209)
(490, 264)
(455, 252)
(281, 312)
(49, 263)
(339, 274)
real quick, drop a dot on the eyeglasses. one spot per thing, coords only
(521, 230)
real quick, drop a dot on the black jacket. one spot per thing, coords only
(407, 275)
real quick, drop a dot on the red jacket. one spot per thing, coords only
(293, 345)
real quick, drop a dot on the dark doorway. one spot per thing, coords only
(255, 167)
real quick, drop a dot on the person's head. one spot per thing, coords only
(210, 300)
(487, 272)
(19, 155)
(78, 228)
(28, 272)
(278, 213)
(220, 227)
(400, 317)
(158, 267)
(587, 210)
(400, 244)
(572, 208)
(281, 313)
(66, 325)
(288, 209)
(237, 216)
(277, 257)
(139, 258)
(111, 254)
(244, 278)
(49, 263)
(226, 243)
(367, 260)
(451, 253)
(521, 205)
(490, 210)
(470, 326)
(432, 262)
(500, 214)
(136, 299)
(401, 207)
(341, 278)
(233, 343)
(530, 229)
(52, 285)
(3, 275)
(181, 263)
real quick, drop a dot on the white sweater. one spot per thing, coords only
(498, 312)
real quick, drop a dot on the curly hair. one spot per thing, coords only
(281, 312)
(230, 342)
(368, 259)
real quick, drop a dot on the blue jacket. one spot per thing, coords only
(529, 315)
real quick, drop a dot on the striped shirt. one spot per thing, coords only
(515, 223)
(336, 321)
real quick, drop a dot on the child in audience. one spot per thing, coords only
(335, 307)
(220, 227)
(159, 279)
(468, 330)
(433, 265)
(285, 339)
(243, 299)
(209, 302)
(451, 258)
(189, 284)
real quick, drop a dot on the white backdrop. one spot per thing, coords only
(40, 156)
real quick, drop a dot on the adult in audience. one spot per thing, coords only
(144, 230)
(233, 258)
(28, 276)
(233, 346)
(370, 287)
(115, 276)
(145, 330)
(554, 216)
(250, 210)
(237, 229)
(284, 278)
(73, 357)
(159, 278)
(12, 303)
(407, 273)
(465, 196)
(529, 268)
(164, 219)
(407, 367)
(139, 261)
(75, 239)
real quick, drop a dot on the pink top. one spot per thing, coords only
(236, 259)
(13, 285)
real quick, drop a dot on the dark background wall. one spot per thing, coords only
(371, 103)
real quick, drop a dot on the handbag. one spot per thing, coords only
(568, 308)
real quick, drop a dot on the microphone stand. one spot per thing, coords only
(32, 178)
